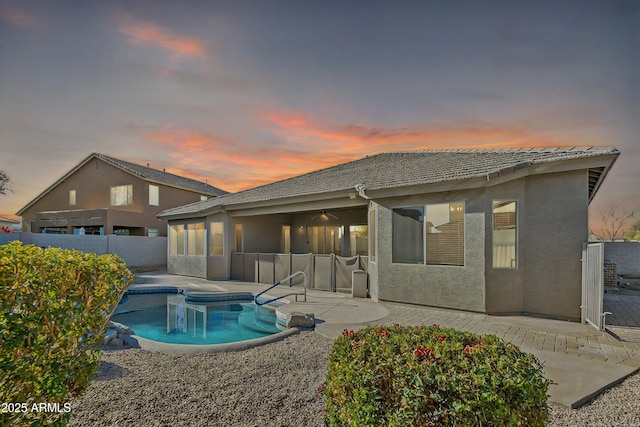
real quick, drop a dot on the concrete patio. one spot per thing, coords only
(580, 361)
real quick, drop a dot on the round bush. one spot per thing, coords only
(431, 376)
(55, 306)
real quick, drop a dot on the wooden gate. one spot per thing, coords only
(593, 284)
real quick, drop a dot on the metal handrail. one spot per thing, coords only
(289, 277)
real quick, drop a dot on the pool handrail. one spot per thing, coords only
(288, 278)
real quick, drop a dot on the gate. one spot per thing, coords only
(593, 284)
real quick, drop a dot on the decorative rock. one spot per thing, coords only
(301, 320)
(109, 335)
(116, 342)
(120, 328)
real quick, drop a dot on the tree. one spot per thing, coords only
(634, 232)
(614, 222)
(5, 183)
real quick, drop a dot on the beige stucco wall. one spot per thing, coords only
(552, 225)
(504, 286)
(217, 267)
(556, 226)
(460, 287)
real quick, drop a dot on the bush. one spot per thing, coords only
(55, 308)
(431, 376)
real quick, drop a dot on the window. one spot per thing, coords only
(358, 239)
(195, 239)
(432, 235)
(407, 239)
(505, 234)
(72, 197)
(324, 239)
(286, 239)
(122, 195)
(372, 236)
(203, 198)
(445, 234)
(239, 239)
(153, 232)
(176, 239)
(154, 195)
(217, 238)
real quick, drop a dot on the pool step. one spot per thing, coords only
(257, 318)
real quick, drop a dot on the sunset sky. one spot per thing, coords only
(243, 93)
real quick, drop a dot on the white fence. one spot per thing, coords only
(137, 251)
(593, 284)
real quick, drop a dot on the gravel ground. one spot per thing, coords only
(272, 385)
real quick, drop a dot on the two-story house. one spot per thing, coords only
(104, 195)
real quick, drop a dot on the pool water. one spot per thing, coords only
(185, 322)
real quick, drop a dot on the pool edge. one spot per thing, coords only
(167, 348)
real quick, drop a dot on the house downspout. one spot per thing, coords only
(360, 189)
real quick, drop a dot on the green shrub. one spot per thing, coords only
(431, 376)
(56, 305)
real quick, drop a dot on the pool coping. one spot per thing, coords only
(168, 348)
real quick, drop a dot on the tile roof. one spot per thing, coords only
(163, 177)
(398, 169)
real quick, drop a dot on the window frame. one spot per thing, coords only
(516, 226)
(239, 228)
(129, 201)
(464, 233)
(178, 227)
(325, 245)
(372, 230)
(155, 193)
(425, 221)
(211, 241)
(192, 229)
(394, 257)
(285, 238)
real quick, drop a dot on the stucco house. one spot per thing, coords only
(493, 231)
(105, 195)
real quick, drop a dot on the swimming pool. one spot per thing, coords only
(174, 318)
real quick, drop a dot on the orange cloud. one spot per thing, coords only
(202, 148)
(153, 35)
(363, 139)
(310, 145)
(18, 16)
(236, 165)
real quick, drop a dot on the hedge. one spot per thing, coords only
(431, 376)
(55, 308)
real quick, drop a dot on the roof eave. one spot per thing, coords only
(283, 201)
(188, 215)
(603, 175)
(182, 187)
